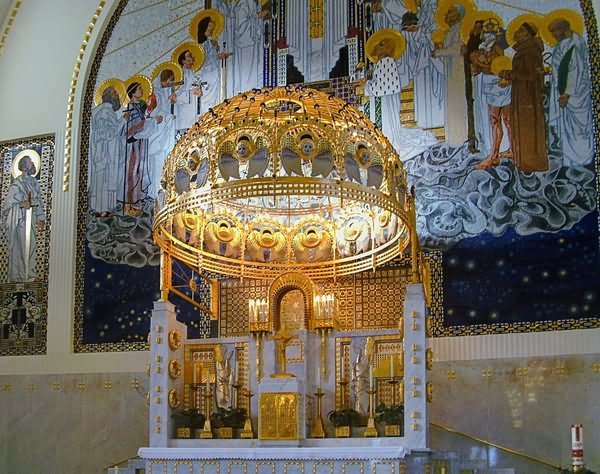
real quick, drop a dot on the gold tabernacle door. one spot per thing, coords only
(278, 417)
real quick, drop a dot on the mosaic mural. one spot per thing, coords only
(25, 197)
(489, 104)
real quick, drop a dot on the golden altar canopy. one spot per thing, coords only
(284, 179)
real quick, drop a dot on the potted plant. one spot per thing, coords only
(343, 419)
(225, 420)
(392, 417)
(186, 421)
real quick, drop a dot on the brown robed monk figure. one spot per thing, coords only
(527, 116)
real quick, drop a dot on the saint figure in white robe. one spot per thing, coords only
(162, 139)
(571, 100)
(418, 64)
(316, 56)
(22, 215)
(455, 121)
(136, 131)
(105, 173)
(245, 35)
(385, 83)
(186, 108)
(210, 76)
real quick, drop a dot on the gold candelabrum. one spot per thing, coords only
(371, 431)
(206, 432)
(318, 430)
(248, 432)
(259, 325)
(325, 310)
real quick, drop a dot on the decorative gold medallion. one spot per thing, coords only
(174, 369)
(174, 401)
(174, 340)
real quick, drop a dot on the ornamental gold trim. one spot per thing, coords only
(71, 97)
(10, 21)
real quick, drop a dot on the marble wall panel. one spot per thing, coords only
(83, 423)
(524, 404)
(71, 423)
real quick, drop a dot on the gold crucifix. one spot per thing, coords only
(282, 339)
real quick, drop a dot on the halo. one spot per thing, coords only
(516, 23)
(501, 63)
(35, 157)
(116, 84)
(173, 66)
(194, 48)
(411, 5)
(146, 86)
(479, 15)
(217, 18)
(573, 17)
(386, 33)
(444, 6)
(438, 36)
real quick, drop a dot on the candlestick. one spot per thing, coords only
(318, 430)
(319, 375)
(371, 431)
(248, 432)
(577, 448)
(371, 376)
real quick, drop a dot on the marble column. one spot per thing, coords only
(416, 423)
(162, 379)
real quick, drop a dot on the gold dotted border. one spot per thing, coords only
(189, 464)
(217, 465)
(243, 464)
(71, 97)
(10, 21)
(260, 464)
(329, 464)
(384, 463)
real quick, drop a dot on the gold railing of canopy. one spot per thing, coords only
(284, 180)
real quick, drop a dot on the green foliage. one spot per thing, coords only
(345, 417)
(228, 418)
(392, 415)
(188, 418)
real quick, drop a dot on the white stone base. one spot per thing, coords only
(337, 457)
(341, 451)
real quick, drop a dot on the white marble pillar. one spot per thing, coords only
(163, 323)
(415, 371)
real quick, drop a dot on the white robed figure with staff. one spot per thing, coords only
(22, 215)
